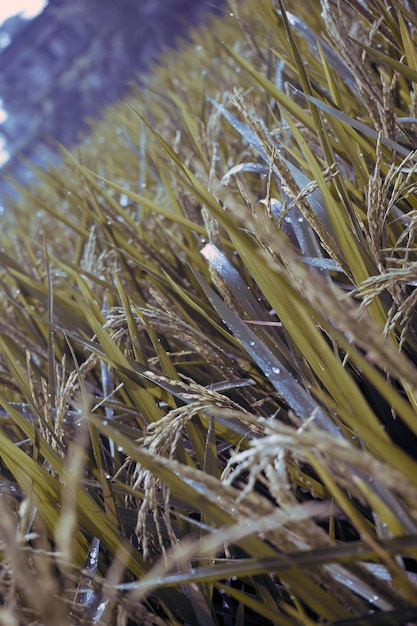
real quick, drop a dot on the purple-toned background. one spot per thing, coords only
(71, 61)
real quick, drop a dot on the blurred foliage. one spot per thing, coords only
(208, 349)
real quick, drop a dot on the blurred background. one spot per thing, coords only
(63, 61)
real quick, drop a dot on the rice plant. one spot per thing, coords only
(208, 337)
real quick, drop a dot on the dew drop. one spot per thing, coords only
(123, 200)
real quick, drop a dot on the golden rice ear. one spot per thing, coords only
(207, 340)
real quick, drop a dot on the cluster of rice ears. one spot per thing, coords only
(208, 338)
